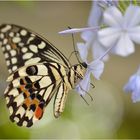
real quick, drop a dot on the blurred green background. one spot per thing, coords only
(112, 113)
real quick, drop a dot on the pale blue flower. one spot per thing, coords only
(133, 86)
(123, 30)
(95, 67)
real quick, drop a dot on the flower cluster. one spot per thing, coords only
(111, 30)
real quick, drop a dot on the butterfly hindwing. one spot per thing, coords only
(22, 47)
(29, 92)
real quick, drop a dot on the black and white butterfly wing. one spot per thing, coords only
(30, 90)
(36, 70)
(22, 46)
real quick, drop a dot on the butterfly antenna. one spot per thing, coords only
(72, 54)
(84, 100)
(74, 47)
(87, 94)
(92, 85)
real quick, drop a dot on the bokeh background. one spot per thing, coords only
(111, 114)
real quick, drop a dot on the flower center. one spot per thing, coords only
(124, 29)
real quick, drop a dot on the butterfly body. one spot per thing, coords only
(38, 71)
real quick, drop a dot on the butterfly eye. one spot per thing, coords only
(84, 65)
(31, 70)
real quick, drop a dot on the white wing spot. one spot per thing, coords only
(13, 52)
(8, 62)
(24, 123)
(41, 92)
(42, 45)
(23, 32)
(16, 39)
(32, 61)
(14, 92)
(6, 28)
(29, 114)
(30, 39)
(9, 70)
(33, 35)
(24, 49)
(16, 119)
(14, 68)
(27, 55)
(16, 82)
(7, 100)
(11, 109)
(8, 47)
(33, 48)
(19, 99)
(14, 60)
(11, 34)
(5, 41)
(21, 44)
(6, 90)
(20, 111)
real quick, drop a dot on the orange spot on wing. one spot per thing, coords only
(13, 45)
(38, 113)
(22, 87)
(28, 102)
(35, 101)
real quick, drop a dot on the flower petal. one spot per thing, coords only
(96, 67)
(124, 46)
(136, 91)
(132, 16)
(77, 30)
(88, 35)
(113, 17)
(135, 96)
(129, 87)
(95, 14)
(98, 50)
(134, 34)
(84, 85)
(109, 36)
(83, 51)
(133, 86)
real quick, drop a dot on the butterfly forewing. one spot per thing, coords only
(22, 47)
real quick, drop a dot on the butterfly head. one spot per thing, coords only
(84, 64)
(80, 70)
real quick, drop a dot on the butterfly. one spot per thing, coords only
(37, 72)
